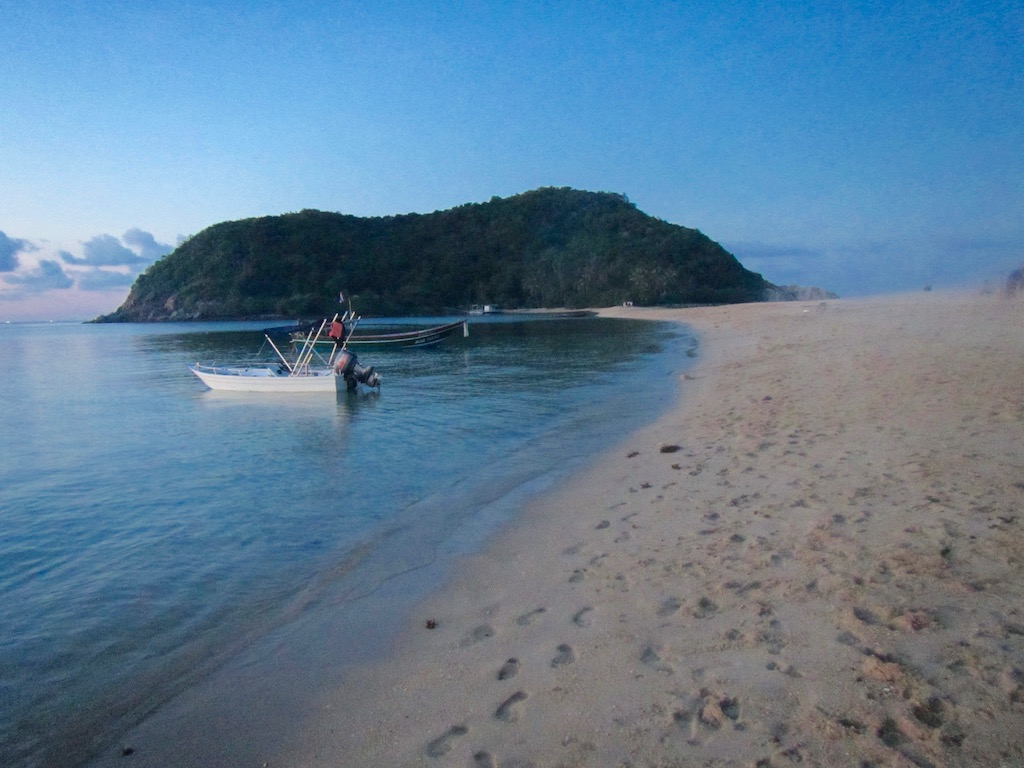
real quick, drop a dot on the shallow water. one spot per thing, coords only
(150, 528)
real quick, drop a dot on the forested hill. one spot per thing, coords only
(545, 248)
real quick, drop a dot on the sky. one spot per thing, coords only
(861, 147)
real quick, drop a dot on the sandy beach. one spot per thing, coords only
(815, 557)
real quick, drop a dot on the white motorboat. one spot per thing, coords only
(308, 372)
(264, 379)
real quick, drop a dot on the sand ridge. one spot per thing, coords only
(815, 558)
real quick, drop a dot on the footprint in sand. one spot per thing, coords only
(528, 618)
(651, 658)
(705, 607)
(509, 669)
(714, 714)
(669, 606)
(847, 638)
(507, 712)
(442, 745)
(565, 655)
(482, 632)
(582, 617)
(865, 616)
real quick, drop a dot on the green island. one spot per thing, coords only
(550, 247)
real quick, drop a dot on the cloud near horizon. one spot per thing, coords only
(146, 245)
(104, 280)
(49, 275)
(10, 247)
(780, 264)
(109, 251)
(100, 268)
(884, 266)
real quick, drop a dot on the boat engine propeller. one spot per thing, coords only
(347, 366)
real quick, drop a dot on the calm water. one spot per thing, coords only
(150, 528)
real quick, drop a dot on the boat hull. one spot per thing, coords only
(262, 379)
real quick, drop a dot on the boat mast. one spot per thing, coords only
(306, 354)
(284, 359)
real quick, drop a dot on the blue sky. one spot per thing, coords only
(861, 147)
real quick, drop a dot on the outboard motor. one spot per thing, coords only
(347, 365)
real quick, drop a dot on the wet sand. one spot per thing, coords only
(816, 556)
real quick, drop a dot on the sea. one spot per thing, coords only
(152, 529)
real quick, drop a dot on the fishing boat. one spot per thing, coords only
(260, 378)
(421, 337)
(307, 372)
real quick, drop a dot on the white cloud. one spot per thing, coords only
(145, 244)
(110, 251)
(103, 251)
(100, 269)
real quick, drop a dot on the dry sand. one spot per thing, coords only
(815, 557)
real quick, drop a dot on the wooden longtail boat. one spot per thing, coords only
(421, 337)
